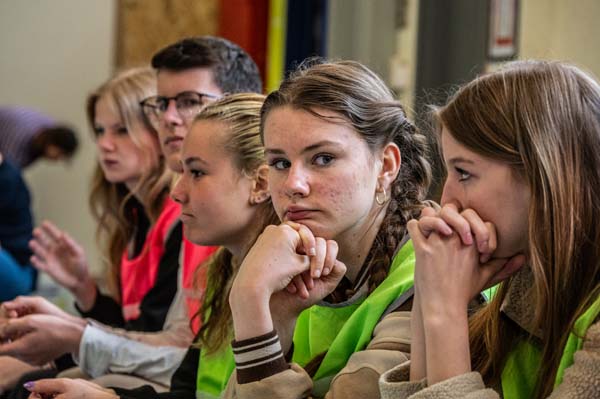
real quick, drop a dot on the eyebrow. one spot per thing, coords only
(456, 160)
(191, 160)
(312, 147)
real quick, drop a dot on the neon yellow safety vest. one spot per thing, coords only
(338, 329)
(342, 330)
(519, 376)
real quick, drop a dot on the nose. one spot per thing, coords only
(171, 115)
(451, 195)
(105, 143)
(296, 183)
(179, 192)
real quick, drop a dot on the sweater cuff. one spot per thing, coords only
(259, 357)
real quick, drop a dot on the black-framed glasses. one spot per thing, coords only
(187, 103)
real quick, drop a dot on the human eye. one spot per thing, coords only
(323, 159)
(196, 173)
(463, 175)
(98, 131)
(160, 104)
(122, 130)
(279, 163)
(188, 100)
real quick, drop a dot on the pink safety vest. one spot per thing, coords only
(193, 258)
(138, 275)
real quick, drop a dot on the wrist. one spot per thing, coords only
(85, 294)
(250, 313)
(73, 336)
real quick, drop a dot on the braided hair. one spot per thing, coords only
(353, 91)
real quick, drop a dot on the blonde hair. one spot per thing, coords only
(241, 115)
(542, 119)
(112, 204)
(353, 91)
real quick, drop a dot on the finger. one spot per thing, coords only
(492, 242)
(431, 224)
(308, 280)
(24, 305)
(306, 237)
(14, 348)
(479, 229)
(15, 328)
(41, 252)
(337, 271)
(41, 237)
(428, 212)
(301, 289)
(458, 223)
(72, 245)
(330, 257)
(291, 288)
(51, 230)
(415, 233)
(45, 386)
(318, 260)
(39, 263)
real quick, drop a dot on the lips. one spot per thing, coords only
(173, 139)
(186, 217)
(295, 213)
(109, 162)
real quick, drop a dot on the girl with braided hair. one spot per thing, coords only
(324, 289)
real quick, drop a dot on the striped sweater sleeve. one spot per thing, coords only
(259, 357)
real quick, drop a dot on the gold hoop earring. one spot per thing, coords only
(381, 201)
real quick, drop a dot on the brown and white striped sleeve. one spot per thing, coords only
(258, 358)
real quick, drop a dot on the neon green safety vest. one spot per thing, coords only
(343, 330)
(338, 329)
(519, 376)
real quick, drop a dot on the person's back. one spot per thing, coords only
(27, 135)
(15, 232)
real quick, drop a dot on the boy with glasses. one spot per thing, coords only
(191, 73)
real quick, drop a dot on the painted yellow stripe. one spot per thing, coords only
(276, 43)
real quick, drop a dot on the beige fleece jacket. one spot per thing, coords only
(581, 380)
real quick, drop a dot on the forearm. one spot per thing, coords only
(447, 344)
(102, 352)
(250, 313)
(418, 366)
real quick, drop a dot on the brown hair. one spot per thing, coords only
(113, 205)
(241, 114)
(542, 119)
(353, 91)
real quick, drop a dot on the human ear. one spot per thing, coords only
(259, 192)
(391, 159)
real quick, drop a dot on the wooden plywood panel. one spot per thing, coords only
(146, 26)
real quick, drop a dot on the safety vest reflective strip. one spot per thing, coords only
(519, 376)
(340, 330)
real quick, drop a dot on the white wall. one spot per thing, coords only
(561, 29)
(53, 53)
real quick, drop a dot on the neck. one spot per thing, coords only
(354, 245)
(132, 186)
(240, 248)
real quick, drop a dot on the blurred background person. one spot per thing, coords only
(27, 135)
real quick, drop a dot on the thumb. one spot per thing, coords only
(338, 271)
(15, 328)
